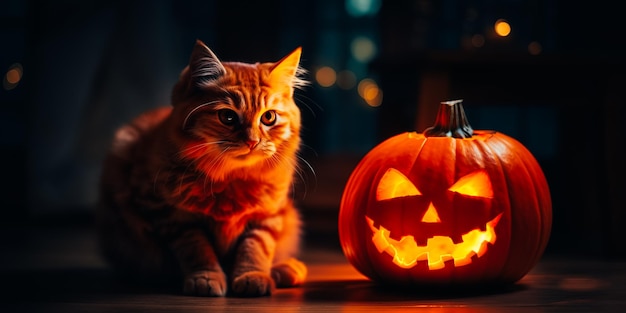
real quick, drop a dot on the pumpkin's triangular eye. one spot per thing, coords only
(475, 184)
(394, 184)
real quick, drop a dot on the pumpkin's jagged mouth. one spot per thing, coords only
(438, 249)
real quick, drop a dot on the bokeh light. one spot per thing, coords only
(478, 41)
(502, 28)
(370, 92)
(346, 79)
(363, 49)
(358, 8)
(326, 76)
(13, 76)
(534, 48)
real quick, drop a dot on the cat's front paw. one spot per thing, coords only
(253, 284)
(289, 273)
(205, 283)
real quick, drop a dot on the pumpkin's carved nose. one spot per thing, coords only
(431, 215)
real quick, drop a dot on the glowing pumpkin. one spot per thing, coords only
(447, 207)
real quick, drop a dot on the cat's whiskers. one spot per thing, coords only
(196, 109)
(208, 170)
(195, 148)
(184, 175)
(276, 160)
(308, 165)
(298, 172)
(301, 172)
(279, 160)
(299, 99)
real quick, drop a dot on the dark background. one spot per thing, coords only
(89, 66)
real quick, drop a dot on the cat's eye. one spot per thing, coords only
(269, 118)
(228, 117)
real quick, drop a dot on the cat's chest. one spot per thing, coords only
(225, 200)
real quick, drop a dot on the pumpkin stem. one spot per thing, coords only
(450, 122)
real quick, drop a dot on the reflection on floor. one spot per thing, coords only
(57, 269)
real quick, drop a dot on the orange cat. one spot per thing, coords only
(201, 190)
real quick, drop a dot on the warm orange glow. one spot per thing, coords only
(394, 184)
(475, 184)
(326, 76)
(397, 241)
(369, 91)
(439, 249)
(12, 76)
(431, 215)
(364, 84)
(502, 28)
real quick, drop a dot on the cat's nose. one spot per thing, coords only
(252, 143)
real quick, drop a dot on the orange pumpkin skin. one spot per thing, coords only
(519, 202)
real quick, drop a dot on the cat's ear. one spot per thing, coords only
(287, 70)
(204, 66)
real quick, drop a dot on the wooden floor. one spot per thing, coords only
(56, 269)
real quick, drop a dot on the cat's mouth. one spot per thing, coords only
(256, 153)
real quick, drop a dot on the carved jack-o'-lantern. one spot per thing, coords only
(449, 206)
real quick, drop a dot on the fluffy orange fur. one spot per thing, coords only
(203, 187)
